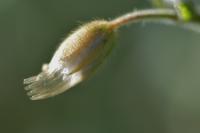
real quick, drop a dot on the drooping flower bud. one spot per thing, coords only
(75, 60)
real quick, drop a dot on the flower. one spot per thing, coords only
(74, 61)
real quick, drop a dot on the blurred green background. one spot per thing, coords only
(150, 83)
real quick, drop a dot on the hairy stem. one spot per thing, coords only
(143, 15)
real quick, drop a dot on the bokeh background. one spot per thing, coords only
(149, 84)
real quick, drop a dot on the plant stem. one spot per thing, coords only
(143, 15)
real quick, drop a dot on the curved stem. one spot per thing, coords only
(144, 14)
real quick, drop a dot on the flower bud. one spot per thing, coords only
(75, 60)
